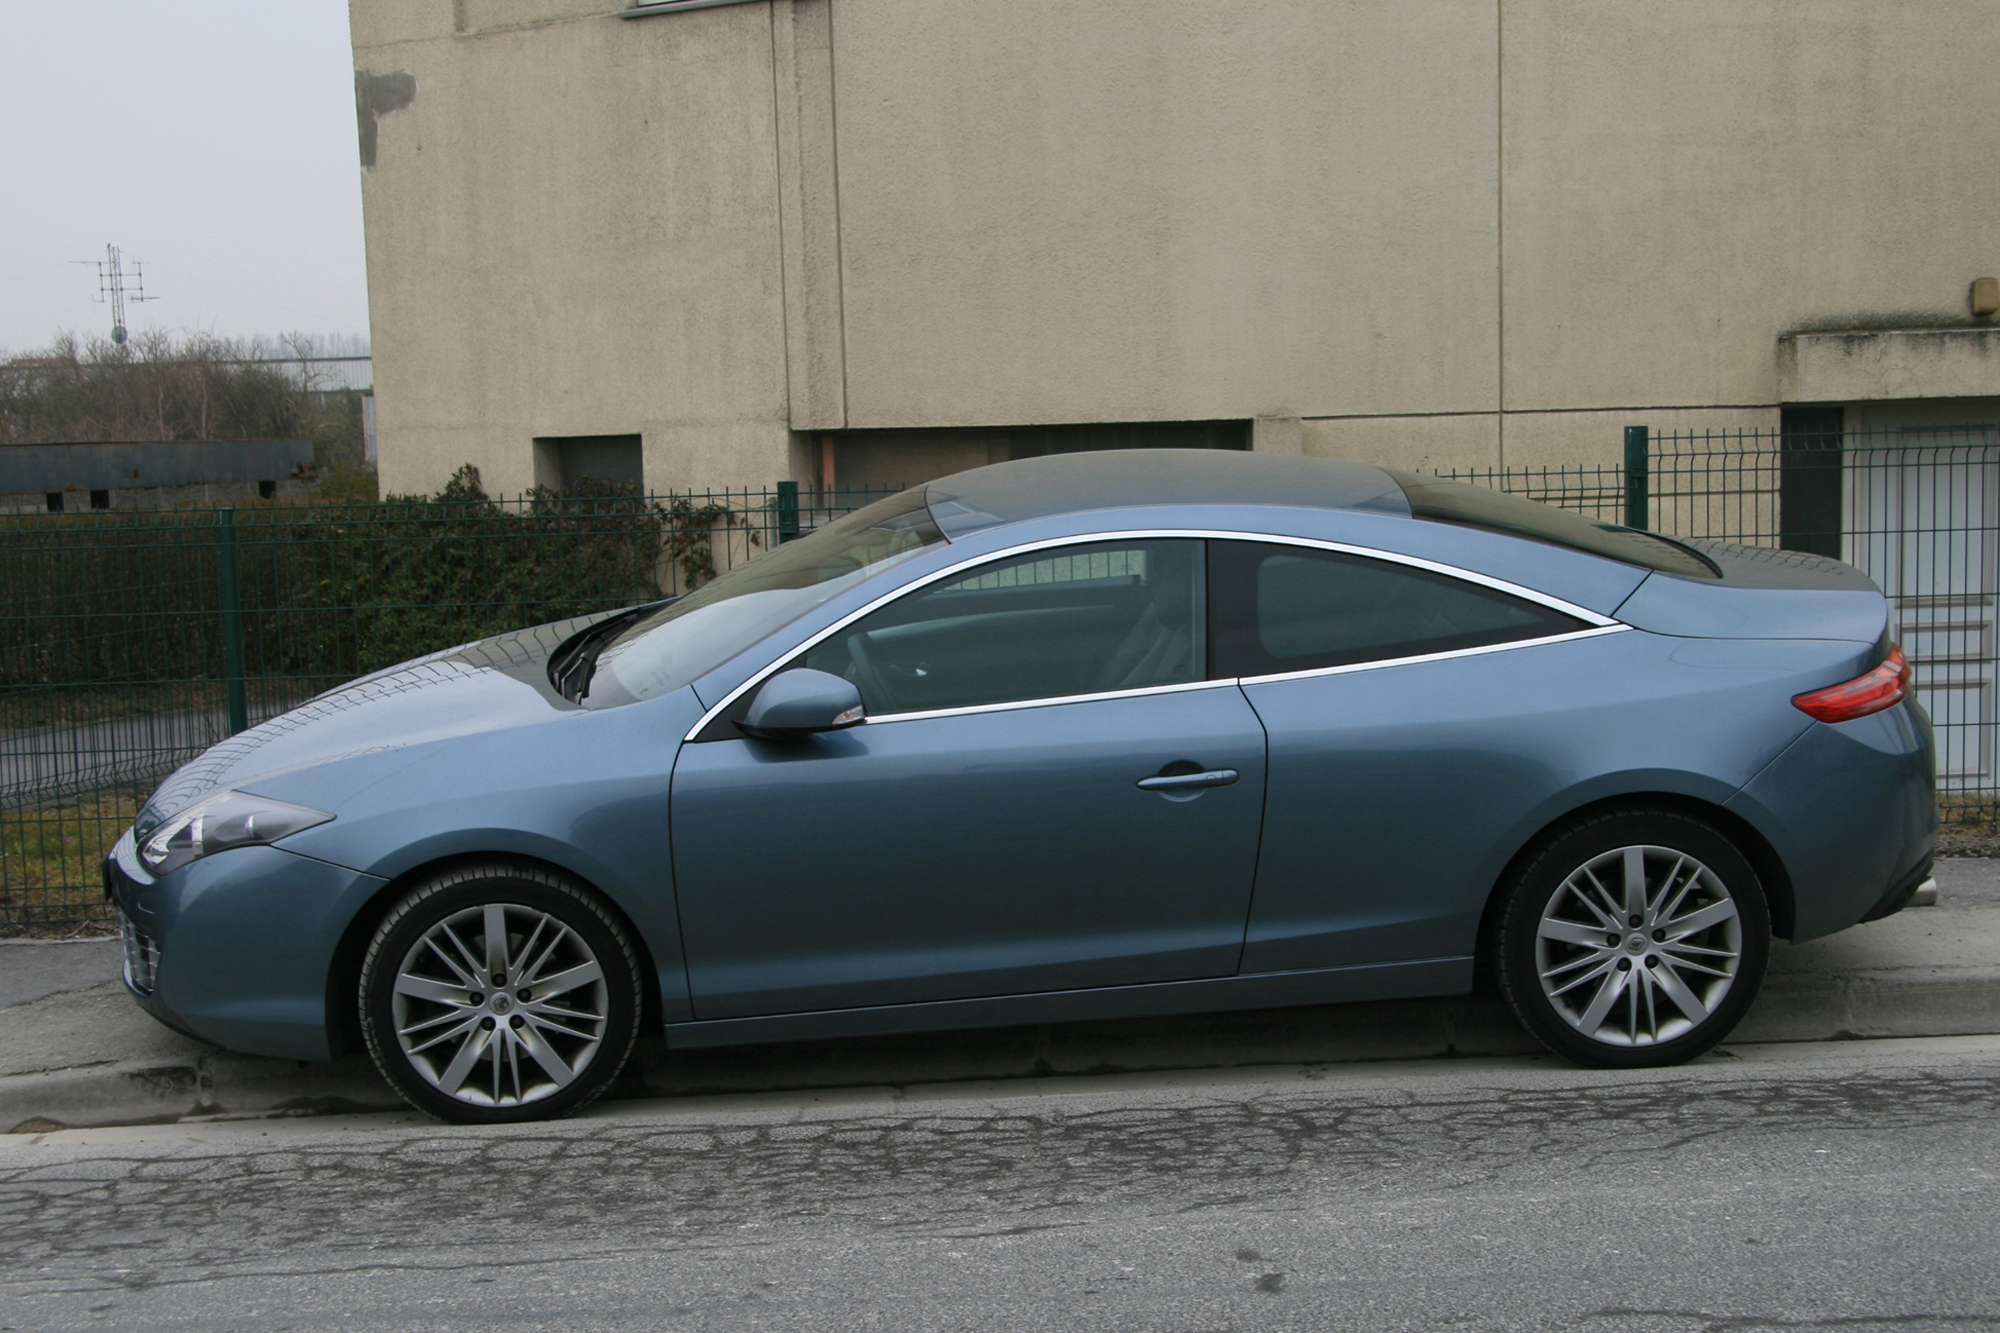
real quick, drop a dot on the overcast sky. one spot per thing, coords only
(212, 139)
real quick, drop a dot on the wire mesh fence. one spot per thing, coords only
(132, 641)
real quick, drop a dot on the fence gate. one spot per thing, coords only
(1923, 520)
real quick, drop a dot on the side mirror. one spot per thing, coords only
(801, 702)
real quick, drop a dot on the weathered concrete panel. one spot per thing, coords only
(1867, 365)
(1686, 180)
(573, 230)
(1165, 209)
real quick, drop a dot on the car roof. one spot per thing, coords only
(1031, 488)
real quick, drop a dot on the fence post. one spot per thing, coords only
(788, 510)
(232, 619)
(1637, 476)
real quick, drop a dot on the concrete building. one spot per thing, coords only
(724, 242)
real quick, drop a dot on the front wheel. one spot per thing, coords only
(1635, 939)
(500, 993)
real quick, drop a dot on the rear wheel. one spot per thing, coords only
(1636, 938)
(500, 993)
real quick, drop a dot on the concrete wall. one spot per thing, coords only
(573, 230)
(1445, 233)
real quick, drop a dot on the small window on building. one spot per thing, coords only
(267, 490)
(55, 501)
(574, 463)
(100, 499)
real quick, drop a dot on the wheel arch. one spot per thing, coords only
(1764, 859)
(343, 975)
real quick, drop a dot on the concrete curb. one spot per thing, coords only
(217, 1083)
(87, 1057)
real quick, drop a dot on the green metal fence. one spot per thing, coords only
(129, 642)
(132, 641)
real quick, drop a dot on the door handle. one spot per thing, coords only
(1214, 777)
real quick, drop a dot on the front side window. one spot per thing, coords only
(1288, 608)
(1073, 620)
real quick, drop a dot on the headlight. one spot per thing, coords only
(227, 819)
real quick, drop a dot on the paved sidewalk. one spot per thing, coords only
(75, 1050)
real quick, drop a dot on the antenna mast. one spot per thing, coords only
(112, 289)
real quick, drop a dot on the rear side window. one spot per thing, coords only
(1276, 608)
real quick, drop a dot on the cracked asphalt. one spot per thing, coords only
(1840, 1186)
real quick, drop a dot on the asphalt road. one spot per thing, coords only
(1836, 1186)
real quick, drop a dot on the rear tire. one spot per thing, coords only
(1637, 938)
(498, 993)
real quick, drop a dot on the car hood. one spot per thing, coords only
(370, 727)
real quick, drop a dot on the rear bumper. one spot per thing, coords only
(1851, 810)
(1901, 893)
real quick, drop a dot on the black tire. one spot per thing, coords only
(488, 1055)
(1620, 995)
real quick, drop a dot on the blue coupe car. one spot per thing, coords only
(1076, 737)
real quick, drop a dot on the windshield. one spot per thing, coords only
(691, 636)
(1480, 507)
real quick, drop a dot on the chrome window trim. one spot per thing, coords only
(1594, 632)
(1599, 624)
(1052, 701)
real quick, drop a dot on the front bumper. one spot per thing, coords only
(237, 948)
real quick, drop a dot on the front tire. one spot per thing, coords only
(1635, 939)
(500, 993)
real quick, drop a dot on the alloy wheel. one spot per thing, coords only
(1638, 946)
(500, 1005)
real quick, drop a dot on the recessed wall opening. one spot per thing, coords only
(100, 499)
(54, 500)
(569, 463)
(906, 457)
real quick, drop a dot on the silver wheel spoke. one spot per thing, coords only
(470, 971)
(1677, 991)
(426, 989)
(550, 1025)
(1573, 932)
(534, 969)
(1603, 966)
(567, 981)
(496, 942)
(1600, 1004)
(461, 1064)
(1701, 919)
(465, 1025)
(1610, 904)
(1693, 966)
(1635, 883)
(551, 1063)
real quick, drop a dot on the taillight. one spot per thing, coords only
(1884, 687)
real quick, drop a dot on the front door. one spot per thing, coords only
(984, 833)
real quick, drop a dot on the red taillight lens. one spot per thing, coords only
(1884, 687)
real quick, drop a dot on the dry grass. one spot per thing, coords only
(50, 881)
(1968, 825)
